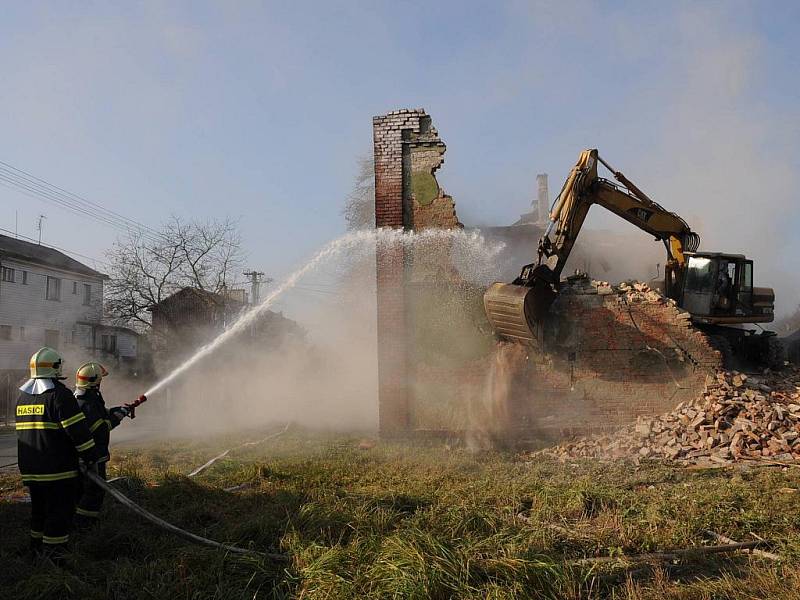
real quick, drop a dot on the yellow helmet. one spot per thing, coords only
(46, 364)
(90, 375)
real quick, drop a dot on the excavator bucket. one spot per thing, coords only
(515, 311)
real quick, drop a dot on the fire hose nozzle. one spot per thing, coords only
(132, 406)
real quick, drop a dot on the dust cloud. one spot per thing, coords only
(491, 406)
(321, 374)
(709, 137)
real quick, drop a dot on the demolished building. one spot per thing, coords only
(609, 356)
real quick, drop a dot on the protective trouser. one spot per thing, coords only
(91, 497)
(52, 511)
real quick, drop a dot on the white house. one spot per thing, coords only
(50, 299)
(44, 295)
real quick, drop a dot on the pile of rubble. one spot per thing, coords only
(739, 417)
(633, 291)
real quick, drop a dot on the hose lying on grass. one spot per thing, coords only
(203, 467)
(196, 539)
(673, 555)
(726, 540)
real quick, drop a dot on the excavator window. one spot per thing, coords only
(744, 296)
(701, 273)
(700, 276)
(722, 301)
(747, 276)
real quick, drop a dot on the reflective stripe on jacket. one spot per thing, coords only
(51, 434)
(100, 420)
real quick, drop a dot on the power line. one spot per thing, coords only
(98, 261)
(78, 198)
(317, 290)
(33, 193)
(29, 185)
(52, 198)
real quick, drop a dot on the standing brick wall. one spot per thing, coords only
(407, 151)
(390, 211)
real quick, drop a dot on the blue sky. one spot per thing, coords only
(259, 111)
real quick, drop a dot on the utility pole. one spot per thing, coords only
(39, 227)
(256, 279)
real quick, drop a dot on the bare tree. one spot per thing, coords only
(359, 208)
(147, 268)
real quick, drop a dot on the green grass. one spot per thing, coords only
(405, 521)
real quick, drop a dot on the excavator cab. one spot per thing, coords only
(718, 289)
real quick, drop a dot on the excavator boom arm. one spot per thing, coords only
(516, 310)
(584, 188)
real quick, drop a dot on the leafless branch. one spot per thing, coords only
(145, 271)
(359, 208)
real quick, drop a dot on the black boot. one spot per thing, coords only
(54, 553)
(82, 523)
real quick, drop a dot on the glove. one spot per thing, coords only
(89, 467)
(120, 412)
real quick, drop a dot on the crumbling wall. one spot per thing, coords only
(407, 152)
(430, 206)
(612, 354)
(393, 409)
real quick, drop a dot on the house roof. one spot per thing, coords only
(189, 292)
(110, 327)
(44, 255)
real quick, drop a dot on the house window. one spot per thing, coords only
(24, 278)
(8, 274)
(53, 288)
(5, 332)
(109, 343)
(22, 331)
(74, 337)
(87, 294)
(74, 287)
(52, 338)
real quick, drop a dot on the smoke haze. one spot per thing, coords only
(325, 379)
(710, 130)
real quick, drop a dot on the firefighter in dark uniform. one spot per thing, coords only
(101, 421)
(52, 436)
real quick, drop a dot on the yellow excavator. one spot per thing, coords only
(715, 288)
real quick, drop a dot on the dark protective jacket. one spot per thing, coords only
(101, 421)
(51, 434)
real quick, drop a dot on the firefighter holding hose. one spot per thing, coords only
(101, 421)
(52, 436)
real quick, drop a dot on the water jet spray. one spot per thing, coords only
(355, 241)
